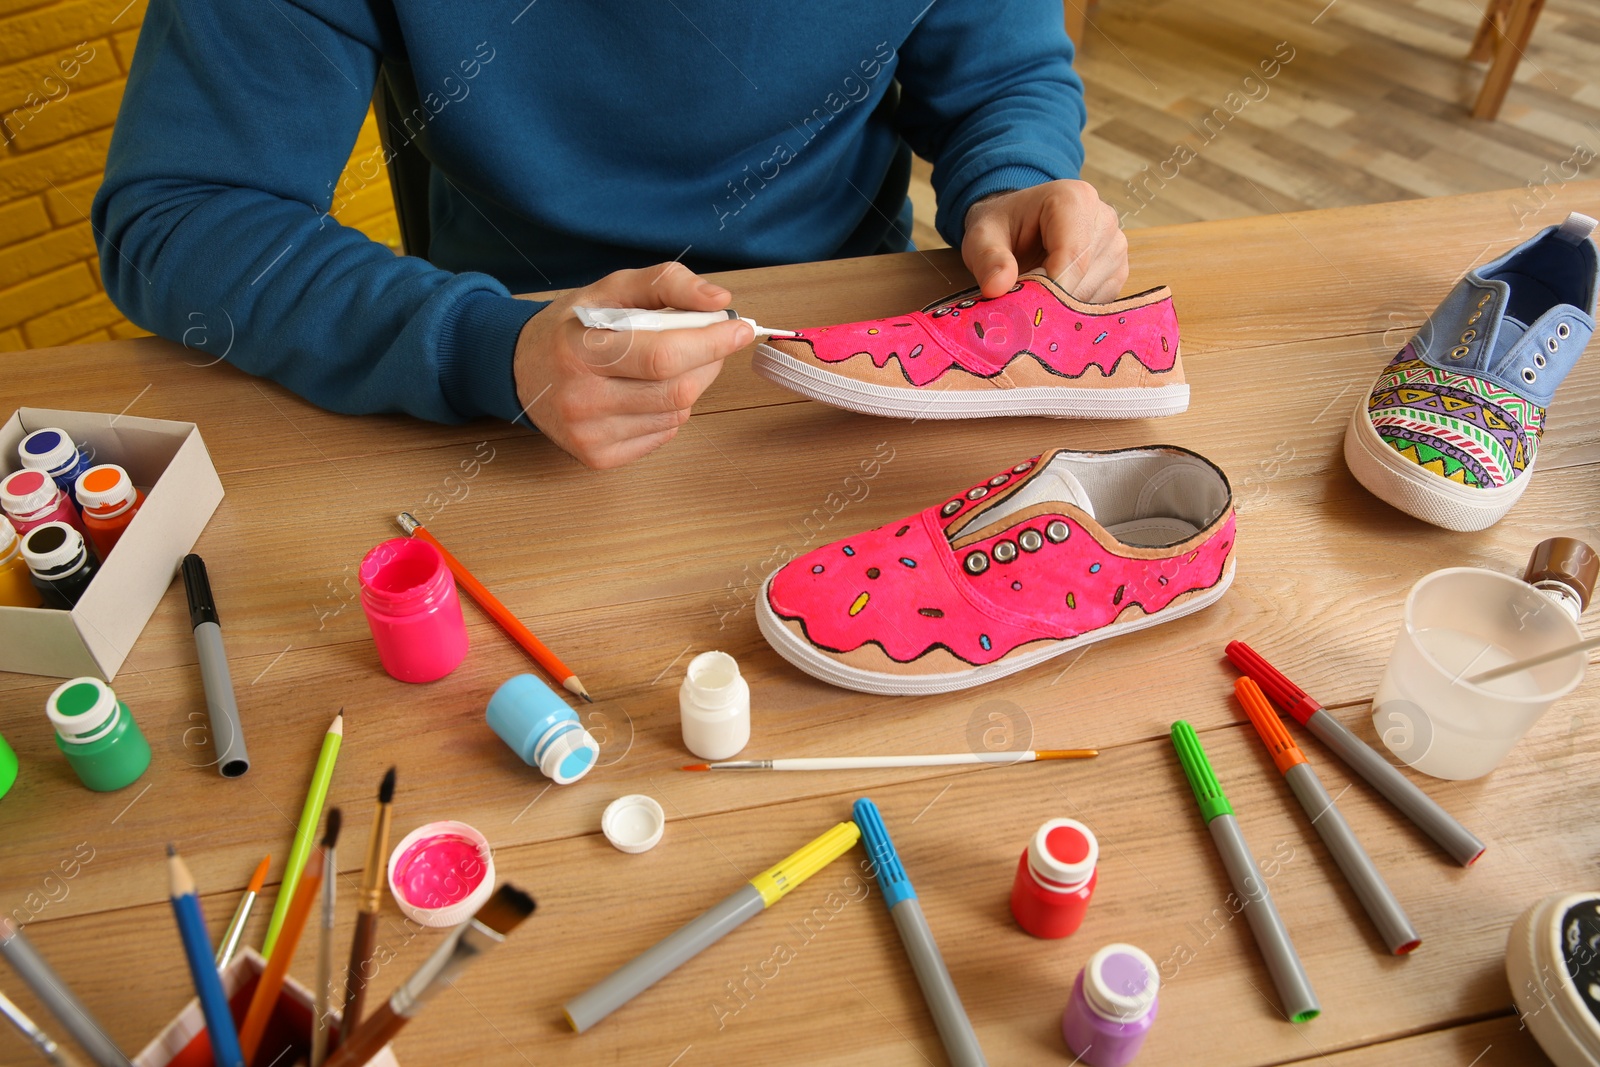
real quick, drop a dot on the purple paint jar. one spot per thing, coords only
(1112, 1008)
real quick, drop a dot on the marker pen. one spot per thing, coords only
(109, 500)
(29, 498)
(50, 450)
(227, 735)
(61, 562)
(665, 319)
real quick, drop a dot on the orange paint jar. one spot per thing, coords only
(109, 501)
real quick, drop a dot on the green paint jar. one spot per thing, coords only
(8, 767)
(97, 734)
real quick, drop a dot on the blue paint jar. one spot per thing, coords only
(50, 450)
(539, 727)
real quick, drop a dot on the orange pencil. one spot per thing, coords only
(294, 922)
(498, 611)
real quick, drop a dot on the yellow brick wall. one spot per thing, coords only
(63, 64)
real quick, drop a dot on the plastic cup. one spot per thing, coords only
(1460, 622)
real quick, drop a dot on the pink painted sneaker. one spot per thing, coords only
(1031, 351)
(1060, 551)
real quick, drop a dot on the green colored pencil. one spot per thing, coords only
(305, 834)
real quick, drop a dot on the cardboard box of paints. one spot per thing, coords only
(170, 462)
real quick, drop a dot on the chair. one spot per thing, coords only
(395, 96)
(1501, 40)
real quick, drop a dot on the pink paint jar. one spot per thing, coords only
(440, 874)
(410, 600)
(31, 498)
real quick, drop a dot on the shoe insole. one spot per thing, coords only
(1158, 531)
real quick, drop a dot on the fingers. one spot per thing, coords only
(666, 285)
(659, 357)
(988, 253)
(1086, 251)
(627, 451)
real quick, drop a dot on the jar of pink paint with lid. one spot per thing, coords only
(411, 604)
(31, 498)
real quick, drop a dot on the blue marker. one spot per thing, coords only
(955, 1029)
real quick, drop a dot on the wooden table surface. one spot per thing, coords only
(629, 573)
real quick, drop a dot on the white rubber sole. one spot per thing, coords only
(1395, 480)
(823, 666)
(931, 402)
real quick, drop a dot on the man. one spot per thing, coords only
(617, 146)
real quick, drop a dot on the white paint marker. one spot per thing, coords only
(623, 319)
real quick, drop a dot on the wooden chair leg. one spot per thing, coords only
(1508, 49)
(1077, 14)
(1489, 31)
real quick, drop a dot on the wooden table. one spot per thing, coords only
(630, 573)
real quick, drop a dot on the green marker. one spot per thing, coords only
(1283, 963)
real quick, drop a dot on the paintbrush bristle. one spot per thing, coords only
(505, 910)
(386, 790)
(330, 833)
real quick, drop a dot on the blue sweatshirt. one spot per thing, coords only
(569, 138)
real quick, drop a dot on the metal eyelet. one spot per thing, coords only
(1529, 376)
(1467, 335)
(1539, 360)
(1551, 345)
(1459, 352)
(1057, 532)
(978, 493)
(1023, 467)
(976, 562)
(950, 509)
(1004, 551)
(1563, 331)
(999, 479)
(1030, 540)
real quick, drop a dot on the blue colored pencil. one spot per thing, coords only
(225, 1051)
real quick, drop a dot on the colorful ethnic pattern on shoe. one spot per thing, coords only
(1457, 426)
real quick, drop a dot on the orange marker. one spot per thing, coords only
(1370, 888)
(497, 611)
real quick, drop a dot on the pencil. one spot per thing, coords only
(202, 967)
(857, 763)
(501, 914)
(305, 833)
(371, 899)
(498, 612)
(270, 985)
(241, 914)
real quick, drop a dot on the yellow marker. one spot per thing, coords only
(683, 944)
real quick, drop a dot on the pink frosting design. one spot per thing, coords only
(903, 588)
(983, 336)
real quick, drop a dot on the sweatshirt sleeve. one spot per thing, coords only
(991, 99)
(235, 127)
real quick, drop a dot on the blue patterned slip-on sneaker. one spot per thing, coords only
(1450, 430)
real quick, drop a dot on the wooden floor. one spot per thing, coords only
(1372, 107)
(628, 573)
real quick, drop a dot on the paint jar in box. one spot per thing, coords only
(61, 564)
(539, 727)
(109, 500)
(412, 607)
(50, 450)
(16, 581)
(1112, 1008)
(97, 734)
(1055, 879)
(30, 498)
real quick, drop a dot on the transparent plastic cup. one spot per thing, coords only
(1458, 623)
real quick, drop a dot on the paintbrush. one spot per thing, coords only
(857, 763)
(367, 905)
(503, 913)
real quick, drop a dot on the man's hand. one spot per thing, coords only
(1062, 225)
(609, 397)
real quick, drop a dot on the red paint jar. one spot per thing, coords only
(410, 600)
(1055, 878)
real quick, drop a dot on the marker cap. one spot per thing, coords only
(436, 859)
(51, 546)
(82, 710)
(1202, 780)
(105, 491)
(49, 449)
(1063, 854)
(27, 492)
(633, 823)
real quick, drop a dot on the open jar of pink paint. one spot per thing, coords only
(441, 873)
(411, 604)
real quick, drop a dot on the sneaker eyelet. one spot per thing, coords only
(1030, 540)
(1551, 344)
(1563, 331)
(999, 480)
(1459, 352)
(1467, 335)
(978, 493)
(1529, 376)
(976, 562)
(1004, 551)
(1539, 360)
(1022, 468)
(1057, 532)
(950, 509)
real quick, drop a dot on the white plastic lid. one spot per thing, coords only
(46, 549)
(8, 537)
(570, 755)
(82, 710)
(1063, 852)
(48, 449)
(112, 491)
(440, 858)
(1120, 982)
(633, 823)
(27, 492)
